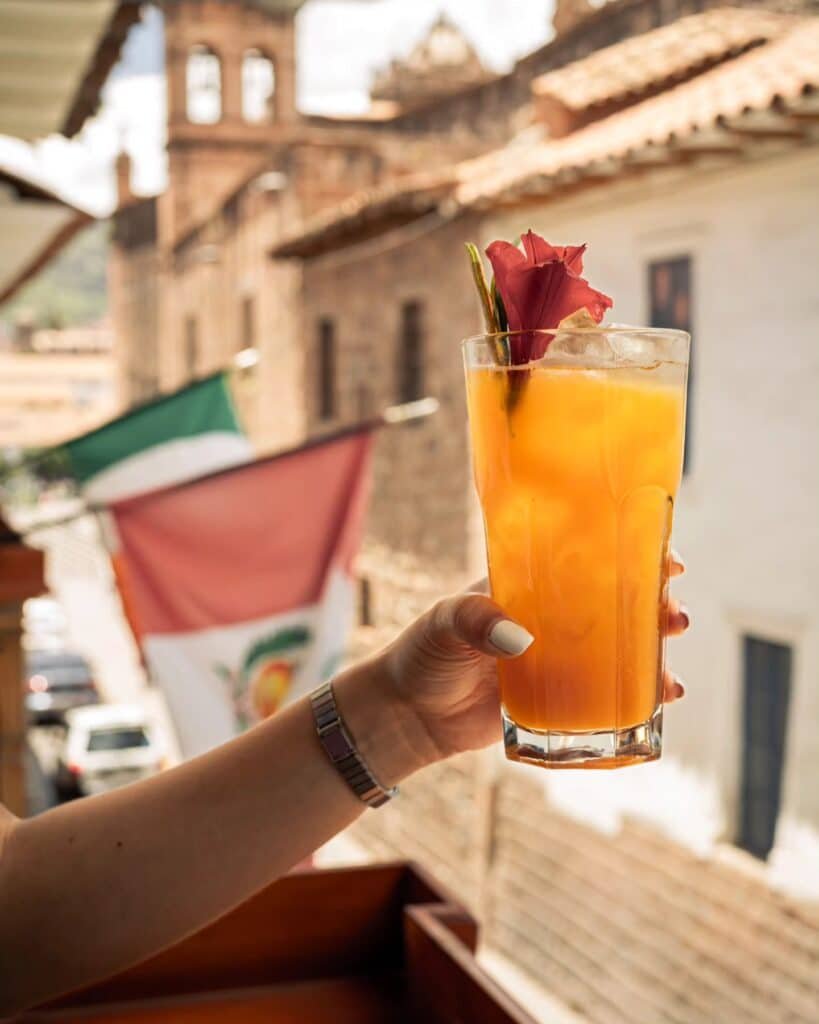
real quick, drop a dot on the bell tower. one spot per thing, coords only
(231, 73)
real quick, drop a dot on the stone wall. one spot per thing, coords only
(422, 509)
(133, 278)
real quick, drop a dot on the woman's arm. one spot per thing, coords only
(101, 883)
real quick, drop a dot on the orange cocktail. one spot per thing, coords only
(577, 462)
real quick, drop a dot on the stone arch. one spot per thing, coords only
(203, 85)
(258, 86)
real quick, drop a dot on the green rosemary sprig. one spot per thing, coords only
(493, 313)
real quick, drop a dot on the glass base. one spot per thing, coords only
(611, 748)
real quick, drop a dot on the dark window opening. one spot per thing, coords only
(365, 602)
(767, 685)
(327, 369)
(231, 211)
(411, 353)
(669, 289)
(117, 739)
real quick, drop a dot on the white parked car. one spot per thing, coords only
(106, 746)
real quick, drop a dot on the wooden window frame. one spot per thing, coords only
(410, 371)
(327, 363)
(668, 317)
(747, 834)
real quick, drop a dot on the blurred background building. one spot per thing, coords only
(679, 139)
(55, 384)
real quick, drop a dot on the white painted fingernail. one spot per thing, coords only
(510, 638)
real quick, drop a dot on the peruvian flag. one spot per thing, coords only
(240, 584)
(171, 439)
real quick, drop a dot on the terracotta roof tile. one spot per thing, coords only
(772, 77)
(629, 926)
(638, 920)
(371, 209)
(673, 51)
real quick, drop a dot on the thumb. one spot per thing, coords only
(475, 621)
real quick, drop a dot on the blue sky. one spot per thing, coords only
(340, 44)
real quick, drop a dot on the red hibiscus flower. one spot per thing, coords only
(540, 287)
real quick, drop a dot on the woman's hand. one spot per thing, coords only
(441, 678)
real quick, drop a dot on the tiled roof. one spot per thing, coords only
(720, 109)
(770, 91)
(371, 210)
(674, 51)
(621, 927)
(634, 927)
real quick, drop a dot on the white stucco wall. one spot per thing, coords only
(747, 520)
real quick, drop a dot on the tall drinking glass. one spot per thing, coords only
(577, 461)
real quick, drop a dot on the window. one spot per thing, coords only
(411, 353)
(669, 289)
(767, 684)
(231, 211)
(203, 86)
(258, 87)
(365, 602)
(191, 345)
(117, 739)
(247, 320)
(327, 368)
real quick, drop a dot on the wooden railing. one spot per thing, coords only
(371, 945)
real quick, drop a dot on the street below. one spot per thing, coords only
(79, 577)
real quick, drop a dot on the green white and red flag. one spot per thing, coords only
(173, 438)
(240, 584)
